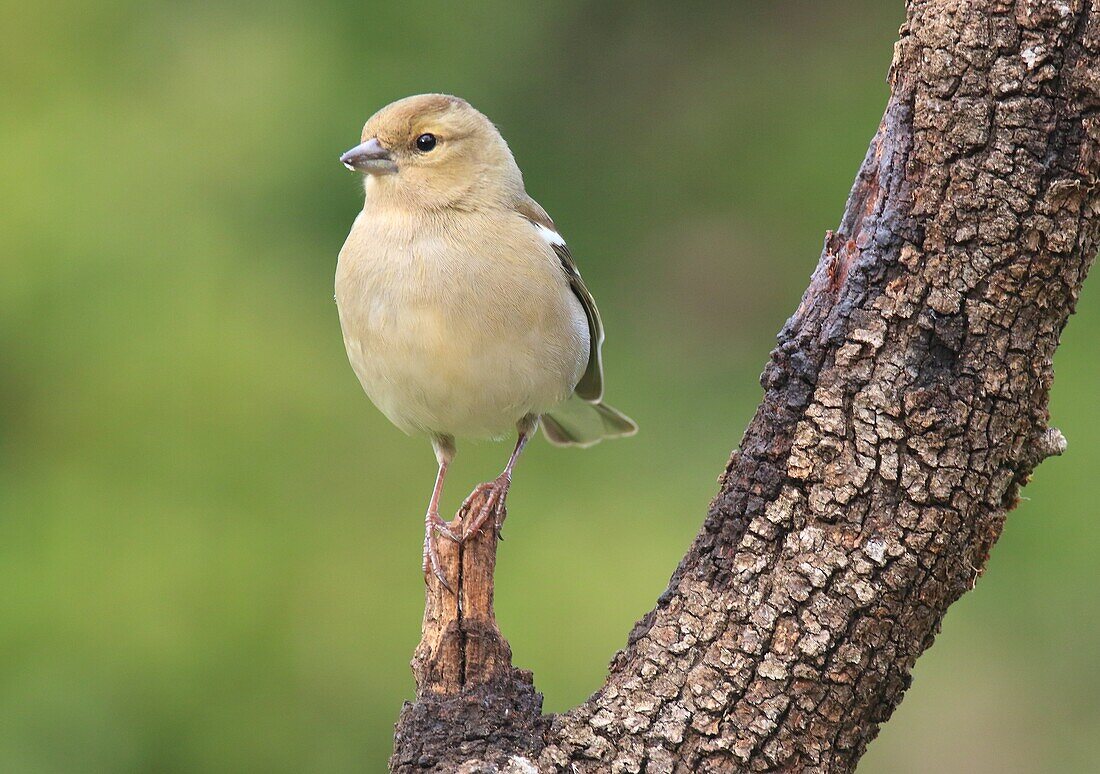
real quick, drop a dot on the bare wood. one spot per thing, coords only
(904, 405)
(460, 643)
(465, 680)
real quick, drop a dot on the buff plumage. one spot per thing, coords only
(462, 311)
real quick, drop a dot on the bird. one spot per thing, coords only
(462, 310)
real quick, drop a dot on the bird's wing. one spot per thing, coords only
(590, 387)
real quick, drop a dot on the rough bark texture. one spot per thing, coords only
(904, 405)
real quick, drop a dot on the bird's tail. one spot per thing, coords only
(580, 423)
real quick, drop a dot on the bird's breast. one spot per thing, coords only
(460, 329)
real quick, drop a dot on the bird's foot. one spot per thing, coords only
(433, 527)
(493, 494)
(446, 529)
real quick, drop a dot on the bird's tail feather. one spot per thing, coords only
(580, 423)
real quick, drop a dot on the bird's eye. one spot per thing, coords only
(425, 142)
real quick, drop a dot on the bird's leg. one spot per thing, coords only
(496, 491)
(433, 522)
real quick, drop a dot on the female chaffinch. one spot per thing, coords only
(462, 310)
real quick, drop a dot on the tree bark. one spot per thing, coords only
(904, 405)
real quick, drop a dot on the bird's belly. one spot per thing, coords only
(468, 369)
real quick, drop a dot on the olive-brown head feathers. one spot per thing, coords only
(435, 150)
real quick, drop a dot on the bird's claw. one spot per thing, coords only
(433, 525)
(495, 493)
(443, 528)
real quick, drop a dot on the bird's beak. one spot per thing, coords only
(369, 157)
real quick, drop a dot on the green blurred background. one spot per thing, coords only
(210, 540)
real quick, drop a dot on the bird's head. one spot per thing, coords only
(432, 151)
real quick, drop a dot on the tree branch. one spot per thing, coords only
(904, 405)
(471, 703)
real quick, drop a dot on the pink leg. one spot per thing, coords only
(433, 522)
(496, 491)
